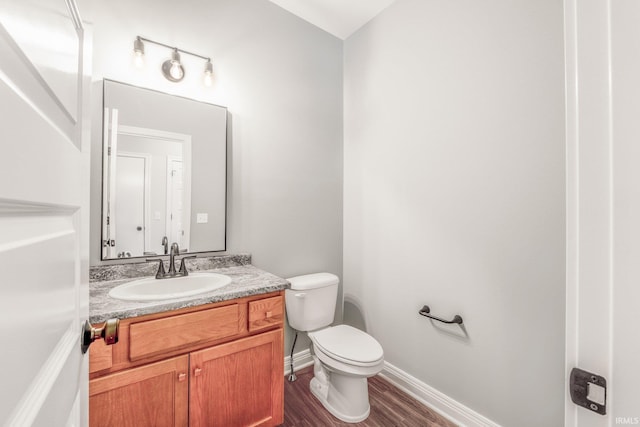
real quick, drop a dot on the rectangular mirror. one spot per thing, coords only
(163, 173)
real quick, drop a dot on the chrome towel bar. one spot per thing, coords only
(426, 310)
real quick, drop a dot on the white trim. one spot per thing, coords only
(106, 250)
(572, 179)
(75, 415)
(18, 73)
(168, 197)
(434, 399)
(110, 180)
(185, 242)
(153, 133)
(301, 360)
(610, 391)
(9, 207)
(590, 197)
(439, 402)
(29, 406)
(186, 194)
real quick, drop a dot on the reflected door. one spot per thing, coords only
(175, 191)
(130, 188)
(151, 191)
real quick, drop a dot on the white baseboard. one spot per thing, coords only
(451, 409)
(301, 360)
(439, 402)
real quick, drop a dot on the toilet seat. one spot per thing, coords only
(348, 345)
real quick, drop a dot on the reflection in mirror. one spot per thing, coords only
(164, 173)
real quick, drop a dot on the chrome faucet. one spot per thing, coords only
(165, 243)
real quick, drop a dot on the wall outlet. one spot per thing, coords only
(202, 218)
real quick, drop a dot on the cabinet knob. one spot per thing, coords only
(268, 314)
(197, 372)
(182, 377)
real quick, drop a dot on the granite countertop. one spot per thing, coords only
(246, 280)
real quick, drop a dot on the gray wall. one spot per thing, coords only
(281, 79)
(454, 196)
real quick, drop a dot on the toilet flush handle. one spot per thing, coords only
(300, 295)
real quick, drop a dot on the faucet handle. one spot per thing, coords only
(161, 273)
(183, 267)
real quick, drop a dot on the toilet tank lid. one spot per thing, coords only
(313, 281)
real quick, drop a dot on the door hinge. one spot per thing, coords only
(588, 390)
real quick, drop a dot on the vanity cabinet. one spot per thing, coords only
(214, 365)
(244, 372)
(146, 396)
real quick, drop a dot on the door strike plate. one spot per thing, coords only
(588, 390)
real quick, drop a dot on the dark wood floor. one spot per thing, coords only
(390, 407)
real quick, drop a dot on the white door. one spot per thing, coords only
(603, 204)
(130, 210)
(175, 219)
(44, 173)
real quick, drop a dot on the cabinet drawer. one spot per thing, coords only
(172, 333)
(266, 313)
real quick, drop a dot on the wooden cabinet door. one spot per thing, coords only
(238, 384)
(154, 395)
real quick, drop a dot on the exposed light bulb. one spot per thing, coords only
(208, 73)
(176, 70)
(138, 53)
(138, 59)
(172, 68)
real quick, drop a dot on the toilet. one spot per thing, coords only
(344, 357)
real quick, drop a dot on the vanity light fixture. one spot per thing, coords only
(172, 68)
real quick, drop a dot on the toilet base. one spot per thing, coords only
(346, 397)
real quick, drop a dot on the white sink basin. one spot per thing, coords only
(152, 289)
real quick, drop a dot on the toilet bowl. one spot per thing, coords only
(344, 357)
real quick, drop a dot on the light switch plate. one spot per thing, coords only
(202, 218)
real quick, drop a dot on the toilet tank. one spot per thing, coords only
(311, 301)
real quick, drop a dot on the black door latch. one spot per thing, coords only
(589, 390)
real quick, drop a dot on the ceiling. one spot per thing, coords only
(338, 17)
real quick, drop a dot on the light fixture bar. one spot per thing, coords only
(206, 58)
(172, 69)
